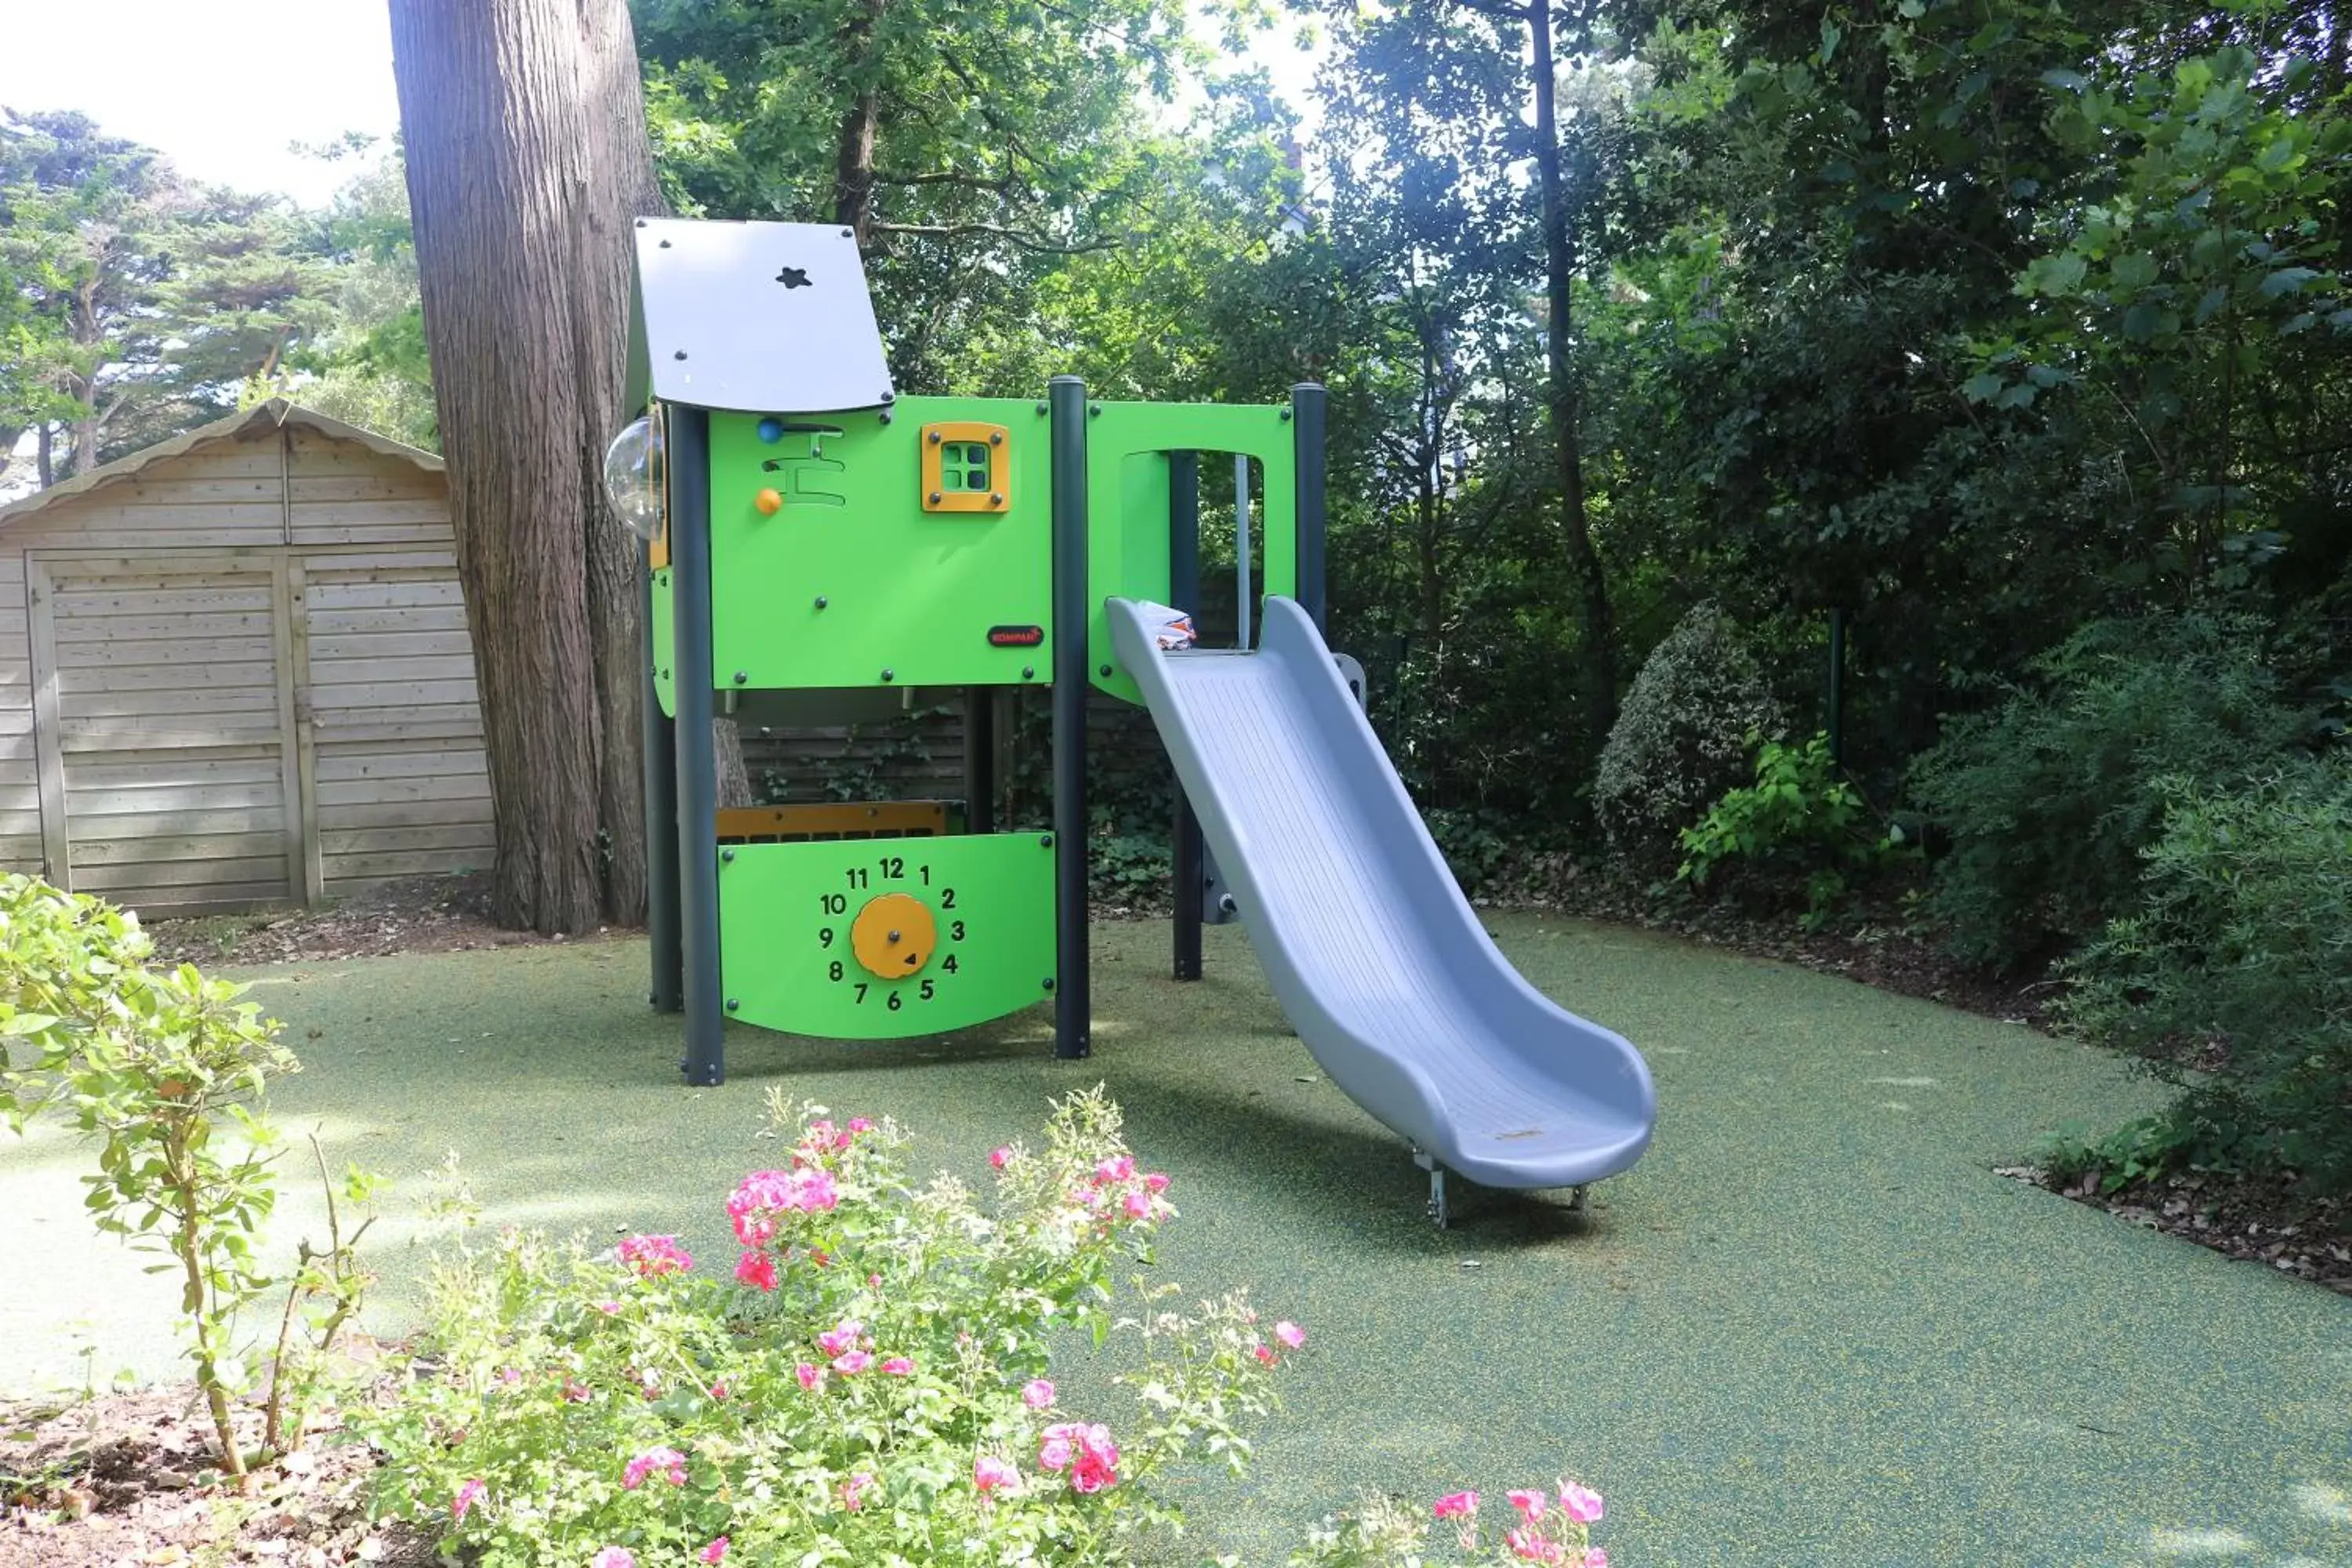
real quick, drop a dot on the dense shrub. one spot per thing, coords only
(2235, 974)
(1682, 738)
(2050, 798)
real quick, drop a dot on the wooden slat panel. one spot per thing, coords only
(160, 491)
(337, 765)
(384, 595)
(349, 671)
(175, 706)
(354, 792)
(20, 851)
(130, 652)
(165, 734)
(173, 770)
(336, 700)
(364, 736)
(113, 881)
(152, 597)
(363, 815)
(405, 863)
(138, 849)
(40, 596)
(403, 644)
(303, 782)
(85, 626)
(400, 619)
(398, 483)
(255, 457)
(28, 825)
(340, 565)
(229, 674)
(165, 798)
(452, 836)
(183, 822)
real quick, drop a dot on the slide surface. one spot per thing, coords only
(1382, 965)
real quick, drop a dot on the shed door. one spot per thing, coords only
(172, 731)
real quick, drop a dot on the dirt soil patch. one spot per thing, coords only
(420, 914)
(127, 1480)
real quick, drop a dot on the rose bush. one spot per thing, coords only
(869, 1381)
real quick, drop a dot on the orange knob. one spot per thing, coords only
(769, 502)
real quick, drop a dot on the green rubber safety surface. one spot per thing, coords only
(886, 938)
(851, 582)
(1810, 1327)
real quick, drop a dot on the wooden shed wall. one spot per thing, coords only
(254, 681)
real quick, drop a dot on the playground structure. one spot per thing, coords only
(821, 549)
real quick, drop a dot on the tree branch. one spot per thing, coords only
(1001, 185)
(1025, 241)
(1499, 11)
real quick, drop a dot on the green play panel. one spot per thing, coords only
(1810, 1327)
(877, 939)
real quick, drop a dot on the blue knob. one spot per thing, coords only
(771, 431)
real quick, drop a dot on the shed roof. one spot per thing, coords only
(274, 415)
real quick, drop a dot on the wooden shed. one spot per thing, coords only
(234, 671)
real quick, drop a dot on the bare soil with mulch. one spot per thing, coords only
(128, 1481)
(421, 914)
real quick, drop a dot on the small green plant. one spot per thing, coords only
(1799, 820)
(163, 1069)
(2141, 1150)
(873, 1384)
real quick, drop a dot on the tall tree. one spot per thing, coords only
(524, 126)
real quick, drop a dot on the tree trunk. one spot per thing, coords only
(853, 163)
(1566, 404)
(527, 162)
(45, 454)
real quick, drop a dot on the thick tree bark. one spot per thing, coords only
(1566, 399)
(527, 164)
(853, 161)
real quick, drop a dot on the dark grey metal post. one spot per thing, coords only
(1073, 1004)
(698, 782)
(1836, 725)
(1307, 403)
(980, 759)
(668, 993)
(1184, 593)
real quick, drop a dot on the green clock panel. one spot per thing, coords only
(876, 939)
(829, 569)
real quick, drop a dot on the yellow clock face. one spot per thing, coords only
(894, 936)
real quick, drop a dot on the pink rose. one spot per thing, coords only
(1095, 1464)
(756, 1269)
(574, 1392)
(990, 1475)
(1290, 1333)
(897, 1366)
(669, 1461)
(849, 1363)
(854, 1491)
(808, 1376)
(999, 1157)
(1156, 1182)
(1037, 1393)
(1582, 1506)
(843, 1337)
(1116, 1169)
(613, 1557)
(1531, 1547)
(469, 1494)
(1457, 1505)
(1054, 1454)
(654, 1255)
(1595, 1558)
(714, 1553)
(860, 1124)
(1264, 1353)
(1530, 1504)
(1137, 1204)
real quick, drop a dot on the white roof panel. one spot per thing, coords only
(757, 317)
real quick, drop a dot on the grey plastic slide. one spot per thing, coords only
(1379, 962)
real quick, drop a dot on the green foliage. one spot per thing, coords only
(2050, 798)
(2145, 1149)
(1800, 822)
(1682, 737)
(162, 1069)
(871, 1389)
(2235, 972)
